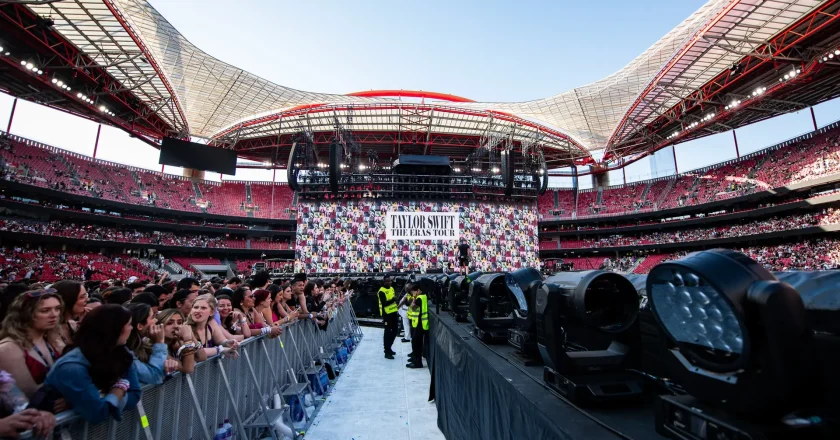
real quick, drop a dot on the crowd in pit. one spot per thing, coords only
(58, 228)
(829, 216)
(90, 346)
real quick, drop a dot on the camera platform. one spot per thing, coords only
(596, 388)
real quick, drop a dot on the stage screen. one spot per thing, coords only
(353, 235)
(179, 153)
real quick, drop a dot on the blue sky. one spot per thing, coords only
(483, 50)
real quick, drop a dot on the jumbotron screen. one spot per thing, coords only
(375, 235)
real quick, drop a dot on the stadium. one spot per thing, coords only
(559, 271)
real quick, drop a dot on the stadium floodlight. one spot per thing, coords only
(23, 63)
(836, 51)
(456, 169)
(102, 108)
(78, 95)
(495, 169)
(735, 336)
(588, 335)
(54, 80)
(1, 48)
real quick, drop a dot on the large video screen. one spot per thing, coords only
(375, 235)
(178, 153)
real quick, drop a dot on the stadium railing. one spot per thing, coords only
(241, 389)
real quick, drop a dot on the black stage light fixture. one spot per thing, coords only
(459, 290)
(445, 282)
(523, 336)
(737, 340)
(497, 300)
(588, 336)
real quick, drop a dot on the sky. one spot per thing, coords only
(483, 50)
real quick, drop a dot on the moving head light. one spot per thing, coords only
(497, 299)
(588, 335)
(737, 339)
(459, 290)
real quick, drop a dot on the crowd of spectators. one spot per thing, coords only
(58, 228)
(829, 216)
(31, 163)
(801, 161)
(90, 346)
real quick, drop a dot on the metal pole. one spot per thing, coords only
(813, 118)
(96, 144)
(676, 169)
(737, 151)
(624, 172)
(11, 116)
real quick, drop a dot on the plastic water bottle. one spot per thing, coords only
(220, 433)
(228, 429)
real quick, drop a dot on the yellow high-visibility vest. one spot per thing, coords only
(390, 305)
(420, 315)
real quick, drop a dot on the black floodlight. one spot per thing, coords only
(588, 335)
(498, 299)
(459, 290)
(736, 336)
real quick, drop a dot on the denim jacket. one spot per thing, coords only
(152, 372)
(71, 378)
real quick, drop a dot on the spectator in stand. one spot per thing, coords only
(30, 343)
(74, 295)
(96, 375)
(233, 321)
(147, 344)
(184, 352)
(206, 331)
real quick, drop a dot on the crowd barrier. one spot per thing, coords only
(241, 390)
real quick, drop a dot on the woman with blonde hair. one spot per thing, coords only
(181, 345)
(30, 342)
(207, 331)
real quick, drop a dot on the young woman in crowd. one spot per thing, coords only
(147, 343)
(206, 331)
(183, 349)
(97, 375)
(280, 307)
(117, 295)
(30, 343)
(233, 321)
(75, 298)
(241, 297)
(261, 313)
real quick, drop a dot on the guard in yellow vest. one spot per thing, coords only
(419, 316)
(388, 310)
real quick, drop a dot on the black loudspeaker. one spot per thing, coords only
(507, 172)
(292, 169)
(335, 165)
(544, 170)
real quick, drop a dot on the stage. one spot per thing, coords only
(482, 393)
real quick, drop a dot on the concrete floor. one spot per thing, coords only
(377, 398)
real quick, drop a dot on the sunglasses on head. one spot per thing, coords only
(38, 293)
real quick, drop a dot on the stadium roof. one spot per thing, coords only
(197, 94)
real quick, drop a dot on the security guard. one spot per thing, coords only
(403, 311)
(388, 310)
(419, 315)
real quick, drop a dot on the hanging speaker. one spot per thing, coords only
(292, 169)
(507, 172)
(544, 170)
(335, 165)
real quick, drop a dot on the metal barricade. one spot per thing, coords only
(192, 406)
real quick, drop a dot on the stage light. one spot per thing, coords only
(495, 169)
(78, 95)
(29, 66)
(40, 72)
(735, 336)
(1, 48)
(459, 289)
(588, 335)
(497, 299)
(102, 108)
